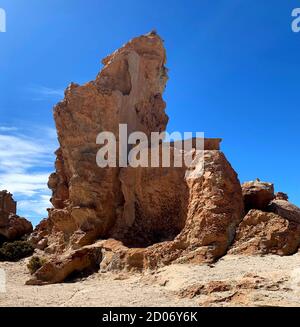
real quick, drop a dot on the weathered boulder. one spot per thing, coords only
(214, 209)
(264, 232)
(257, 195)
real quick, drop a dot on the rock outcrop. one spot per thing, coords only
(138, 217)
(281, 196)
(12, 227)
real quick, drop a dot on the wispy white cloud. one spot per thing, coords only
(32, 208)
(19, 153)
(8, 129)
(24, 183)
(26, 160)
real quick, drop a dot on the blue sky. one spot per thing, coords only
(234, 73)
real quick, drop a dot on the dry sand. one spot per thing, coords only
(256, 280)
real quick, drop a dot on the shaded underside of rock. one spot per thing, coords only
(257, 195)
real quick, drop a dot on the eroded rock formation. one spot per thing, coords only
(141, 218)
(12, 227)
(138, 217)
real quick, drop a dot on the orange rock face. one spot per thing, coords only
(130, 218)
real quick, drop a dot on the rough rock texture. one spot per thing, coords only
(257, 195)
(12, 227)
(215, 208)
(262, 232)
(146, 217)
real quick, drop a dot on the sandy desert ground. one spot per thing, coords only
(232, 281)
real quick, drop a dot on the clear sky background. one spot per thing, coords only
(234, 73)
